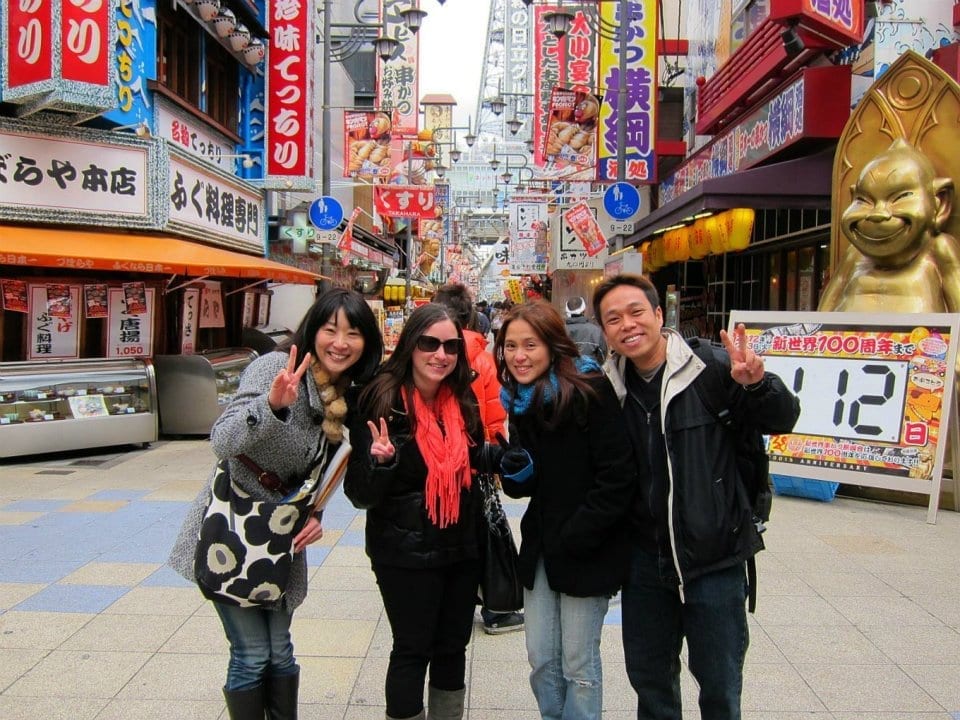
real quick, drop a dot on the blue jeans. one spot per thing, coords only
(714, 622)
(563, 647)
(260, 645)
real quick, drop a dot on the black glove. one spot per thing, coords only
(515, 463)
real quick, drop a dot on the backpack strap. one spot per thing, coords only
(712, 391)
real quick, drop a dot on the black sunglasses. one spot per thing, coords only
(429, 343)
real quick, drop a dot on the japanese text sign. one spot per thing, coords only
(52, 337)
(584, 224)
(129, 334)
(404, 201)
(529, 239)
(641, 92)
(875, 392)
(398, 80)
(289, 143)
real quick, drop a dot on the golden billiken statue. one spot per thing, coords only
(899, 260)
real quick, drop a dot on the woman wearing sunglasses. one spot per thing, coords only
(569, 453)
(416, 435)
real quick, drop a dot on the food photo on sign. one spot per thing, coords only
(15, 296)
(572, 128)
(367, 137)
(95, 300)
(59, 301)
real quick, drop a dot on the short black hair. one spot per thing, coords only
(456, 297)
(637, 281)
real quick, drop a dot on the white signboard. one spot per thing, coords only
(207, 205)
(569, 251)
(129, 335)
(529, 238)
(211, 305)
(53, 338)
(188, 321)
(192, 135)
(54, 174)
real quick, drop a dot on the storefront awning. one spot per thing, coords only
(801, 183)
(124, 252)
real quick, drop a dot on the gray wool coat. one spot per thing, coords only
(286, 447)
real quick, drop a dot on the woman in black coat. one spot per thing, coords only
(570, 455)
(416, 436)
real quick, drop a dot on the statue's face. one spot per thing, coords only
(893, 206)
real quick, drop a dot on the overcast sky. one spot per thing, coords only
(451, 52)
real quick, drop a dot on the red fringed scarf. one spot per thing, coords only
(445, 453)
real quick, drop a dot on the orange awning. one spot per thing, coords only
(124, 252)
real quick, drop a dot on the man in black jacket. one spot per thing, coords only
(694, 529)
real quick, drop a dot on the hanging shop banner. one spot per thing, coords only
(60, 49)
(135, 62)
(289, 136)
(263, 308)
(53, 338)
(211, 305)
(517, 40)
(129, 335)
(641, 92)
(95, 301)
(59, 301)
(567, 62)
(875, 391)
(529, 243)
(135, 298)
(188, 321)
(345, 245)
(366, 144)
(438, 120)
(246, 312)
(397, 80)
(14, 296)
(582, 220)
(404, 201)
(572, 128)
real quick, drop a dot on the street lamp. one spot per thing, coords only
(339, 50)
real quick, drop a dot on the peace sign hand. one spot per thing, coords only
(381, 449)
(285, 387)
(746, 367)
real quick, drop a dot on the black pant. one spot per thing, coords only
(431, 617)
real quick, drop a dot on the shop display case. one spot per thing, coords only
(70, 405)
(194, 389)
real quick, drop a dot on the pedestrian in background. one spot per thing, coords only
(586, 334)
(285, 408)
(693, 523)
(569, 453)
(487, 388)
(416, 436)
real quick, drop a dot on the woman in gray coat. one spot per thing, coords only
(283, 412)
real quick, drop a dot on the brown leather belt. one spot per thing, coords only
(266, 478)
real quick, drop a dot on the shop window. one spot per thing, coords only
(197, 69)
(747, 17)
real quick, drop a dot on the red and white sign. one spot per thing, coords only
(404, 201)
(129, 335)
(28, 45)
(581, 220)
(289, 142)
(398, 80)
(53, 338)
(188, 321)
(85, 34)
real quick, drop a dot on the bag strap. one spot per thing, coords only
(266, 478)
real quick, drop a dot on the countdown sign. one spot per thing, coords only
(875, 395)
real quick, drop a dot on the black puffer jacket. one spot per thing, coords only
(582, 487)
(398, 530)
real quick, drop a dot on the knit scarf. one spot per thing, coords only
(444, 451)
(519, 401)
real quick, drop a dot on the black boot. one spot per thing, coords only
(245, 704)
(282, 693)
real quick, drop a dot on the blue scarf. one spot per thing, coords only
(518, 403)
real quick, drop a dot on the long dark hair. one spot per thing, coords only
(572, 385)
(382, 394)
(359, 315)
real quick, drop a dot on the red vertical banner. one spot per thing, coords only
(28, 44)
(289, 144)
(570, 62)
(85, 37)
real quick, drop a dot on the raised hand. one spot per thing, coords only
(381, 449)
(286, 385)
(515, 463)
(746, 367)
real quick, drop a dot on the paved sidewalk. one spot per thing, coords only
(858, 615)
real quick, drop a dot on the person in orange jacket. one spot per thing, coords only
(486, 387)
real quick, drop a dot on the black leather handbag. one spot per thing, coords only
(500, 585)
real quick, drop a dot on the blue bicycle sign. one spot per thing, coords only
(326, 213)
(621, 201)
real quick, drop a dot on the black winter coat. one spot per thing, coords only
(398, 530)
(581, 490)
